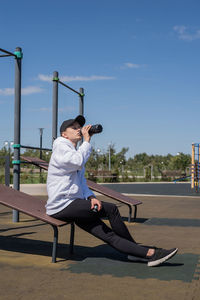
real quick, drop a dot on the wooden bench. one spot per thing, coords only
(116, 196)
(130, 202)
(34, 207)
(103, 174)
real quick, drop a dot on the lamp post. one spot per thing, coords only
(41, 134)
(122, 164)
(98, 154)
(8, 146)
(109, 158)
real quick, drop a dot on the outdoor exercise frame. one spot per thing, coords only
(57, 81)
(195, 167)
(18, 55)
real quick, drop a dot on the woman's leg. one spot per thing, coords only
(111, 211)
(81, 209)
(80, 212)
(100, 230)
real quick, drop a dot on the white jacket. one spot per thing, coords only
(65, 180)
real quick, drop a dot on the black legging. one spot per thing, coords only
(118, 237)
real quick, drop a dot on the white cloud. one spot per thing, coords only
(180, 29)
(31, 90)
(184, 33)
(85, 78)
(49, 78)
(45, 77)
(7, 92)
(49, 109)
(25, 91)
(129, 65)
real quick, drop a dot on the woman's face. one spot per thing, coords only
(73, 132)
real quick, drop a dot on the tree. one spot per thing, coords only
(180, 162)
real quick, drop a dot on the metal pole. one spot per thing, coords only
(81, 106)
(81, 102)
(7, 169)
(193, 166)
(198, 165)
(17, 126)
(41, 133)
(109, 163)
(151, 172)
(55, 106)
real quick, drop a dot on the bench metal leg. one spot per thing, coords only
(135, 212)
(55, 242)
(71, 246)
(130, 213)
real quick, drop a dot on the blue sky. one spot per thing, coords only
(138, 62)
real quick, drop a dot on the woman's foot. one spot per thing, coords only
(160, 256)
(150, 252)
(155, 256)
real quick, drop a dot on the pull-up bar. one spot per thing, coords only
(56, 81)
(17, 120)
(16, 54)
(35, 148)
(7, 53)
(67, 86)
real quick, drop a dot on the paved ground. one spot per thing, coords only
(96, 271)
(162, 188)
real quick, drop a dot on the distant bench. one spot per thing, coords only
(34, 207)
(104, 174)
(130, 202)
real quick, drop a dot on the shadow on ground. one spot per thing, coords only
(103, 260)
(181, 267)
(173, 222)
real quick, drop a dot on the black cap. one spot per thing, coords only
(65, 124)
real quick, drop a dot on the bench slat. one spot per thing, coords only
(27, 204)
(36, 161)
(112, 194)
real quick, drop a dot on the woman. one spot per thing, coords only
(69, 197)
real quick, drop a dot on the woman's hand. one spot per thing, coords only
(85, 133)
(95, 201)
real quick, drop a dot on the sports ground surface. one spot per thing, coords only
(95, 270)
(163, 188)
